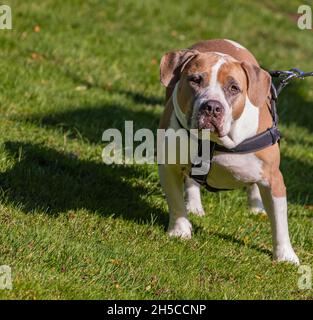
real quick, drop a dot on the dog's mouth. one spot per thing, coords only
(214, 125)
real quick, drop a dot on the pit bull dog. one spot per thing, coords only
(218, 85)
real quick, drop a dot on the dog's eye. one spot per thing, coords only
(195, 79)
(234, 89)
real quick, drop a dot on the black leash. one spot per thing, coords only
(260, 141)
(286, 76)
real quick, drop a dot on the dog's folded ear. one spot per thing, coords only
(173, 63)
(259, 83)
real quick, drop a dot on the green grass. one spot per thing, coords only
(72, 227)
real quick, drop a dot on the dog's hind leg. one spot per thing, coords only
(254, 199)
(193, 197)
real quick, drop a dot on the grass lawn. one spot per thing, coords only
(72, 227)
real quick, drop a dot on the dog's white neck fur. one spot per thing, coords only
(178, 112)
(247, 124)
(243, 128)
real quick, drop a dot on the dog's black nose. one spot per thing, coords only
(212, 107)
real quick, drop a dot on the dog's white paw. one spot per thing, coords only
(255, 200)
(195, 208)
(286, 254)
(181, 228)
(257, 210)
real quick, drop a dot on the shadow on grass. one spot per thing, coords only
(293, 108)
(89, 122)
(55, 182)
(298, 176)
(137, 97)
(45, 179)
(233, 239)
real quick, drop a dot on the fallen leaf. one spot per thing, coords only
(263, 216)
(154, 280)
(81, 88)
(116, 262)
(161, 291)
(36, 56)
(174, 33)
(71, 215)
(37, 28)
(246, 240)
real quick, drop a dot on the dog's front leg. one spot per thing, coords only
(276, 208)
(193, 197)
(172, 181)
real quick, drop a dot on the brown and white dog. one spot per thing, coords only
(219, 85)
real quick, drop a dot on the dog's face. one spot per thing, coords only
(212, 92)
(214, 88)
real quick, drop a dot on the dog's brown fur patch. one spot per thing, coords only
(234, 70)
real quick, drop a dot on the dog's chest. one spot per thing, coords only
(229, 171)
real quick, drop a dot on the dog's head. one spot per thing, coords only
(213, 88)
